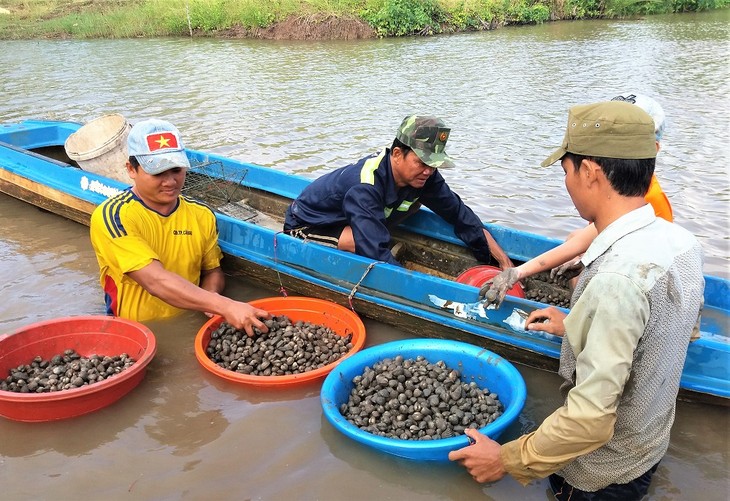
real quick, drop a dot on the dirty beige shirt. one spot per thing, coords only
(632, 316)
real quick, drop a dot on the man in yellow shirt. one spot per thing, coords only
(625, 339)
(158, 250)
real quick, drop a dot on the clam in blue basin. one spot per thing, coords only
(482, 366)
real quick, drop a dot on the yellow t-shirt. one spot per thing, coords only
(127, 236)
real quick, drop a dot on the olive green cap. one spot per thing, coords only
(427, 137)
(611, 129)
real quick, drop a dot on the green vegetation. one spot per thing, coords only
(144, 18)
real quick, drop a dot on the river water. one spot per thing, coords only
(309, 107)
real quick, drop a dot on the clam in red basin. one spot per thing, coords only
(477, 275)
(87, 335)
(316, 311)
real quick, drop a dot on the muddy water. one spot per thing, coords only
(308, 108)
(186, 434)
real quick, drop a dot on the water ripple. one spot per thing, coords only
(310, 107)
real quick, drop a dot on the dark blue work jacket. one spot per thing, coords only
(364, 196)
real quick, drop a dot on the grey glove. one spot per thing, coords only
(494, 289)
(568, 270)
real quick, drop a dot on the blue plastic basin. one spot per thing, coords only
(476, 364)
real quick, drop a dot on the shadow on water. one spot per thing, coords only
(78, 436)
(425, 477)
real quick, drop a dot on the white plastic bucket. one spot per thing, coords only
(100, 146)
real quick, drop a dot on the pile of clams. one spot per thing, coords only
(413, 399)
(63, 372)
(288, 348)
(542, 287)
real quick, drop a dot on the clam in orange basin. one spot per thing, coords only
(87, 335)
(316, 311)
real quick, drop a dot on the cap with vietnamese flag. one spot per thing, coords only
(157, 146)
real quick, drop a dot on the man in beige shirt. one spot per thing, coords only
(625, 339)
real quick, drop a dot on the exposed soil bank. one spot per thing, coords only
(312, 27)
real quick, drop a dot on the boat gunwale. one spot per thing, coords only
(691, 382)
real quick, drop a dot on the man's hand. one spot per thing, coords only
(495, 289)
(568, 270)
(505, 263)
(245, 317)
(548, 320)
(498, 254)
(210, 314)
(481, 459)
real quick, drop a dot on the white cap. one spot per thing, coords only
(650, 106)
(157, 146)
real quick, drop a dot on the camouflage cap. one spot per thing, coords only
(611, 129)
(427, 137)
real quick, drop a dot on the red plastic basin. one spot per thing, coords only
(87, 335)
(477, 275)
(317, 311)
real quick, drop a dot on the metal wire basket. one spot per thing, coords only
(209, 183)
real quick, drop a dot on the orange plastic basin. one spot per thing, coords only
(317, 311)
(87, 335)
(477, 275)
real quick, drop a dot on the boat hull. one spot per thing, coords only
(391, 294)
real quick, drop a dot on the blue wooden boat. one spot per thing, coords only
(250, 201)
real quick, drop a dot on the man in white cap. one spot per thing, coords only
(565, 258)
(655, 196)
(157, 250)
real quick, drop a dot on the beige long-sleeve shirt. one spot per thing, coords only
(633, 313)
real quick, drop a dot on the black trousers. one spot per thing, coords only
(632, 491)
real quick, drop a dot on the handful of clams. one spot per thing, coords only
(64, 372)
(288, 348)
(413, 399)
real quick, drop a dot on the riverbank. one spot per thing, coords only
(304, 19)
